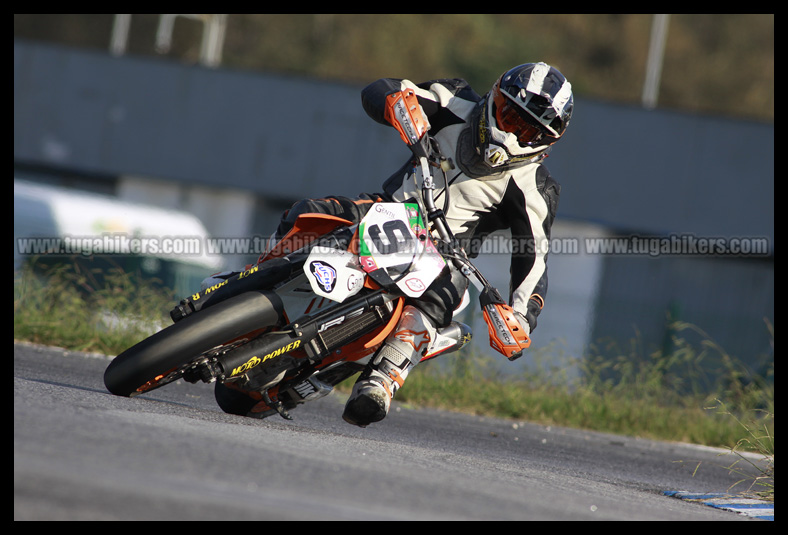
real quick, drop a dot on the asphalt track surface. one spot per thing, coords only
(81, 453)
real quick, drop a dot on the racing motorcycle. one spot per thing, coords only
(306, 317)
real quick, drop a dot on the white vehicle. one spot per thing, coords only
(54, 224)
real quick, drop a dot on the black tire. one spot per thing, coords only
(182, 342)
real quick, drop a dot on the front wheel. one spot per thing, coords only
(148, 364)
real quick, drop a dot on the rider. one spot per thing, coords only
(495, 144)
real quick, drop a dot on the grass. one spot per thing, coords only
(758, 437)
(78, 308)
(689, 392)
(641, 403)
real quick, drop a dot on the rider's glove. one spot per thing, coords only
(523, 323)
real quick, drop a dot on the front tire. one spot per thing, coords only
(182, 342)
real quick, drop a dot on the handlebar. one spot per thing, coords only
(506, 335)
(427, 156)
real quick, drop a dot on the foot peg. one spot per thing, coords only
(277, 405)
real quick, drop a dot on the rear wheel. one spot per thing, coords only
(167, 355)
(234, 401)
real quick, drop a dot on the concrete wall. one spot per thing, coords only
(624, 167)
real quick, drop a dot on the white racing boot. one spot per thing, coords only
(370, 399)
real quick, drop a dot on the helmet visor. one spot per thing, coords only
(513, 119)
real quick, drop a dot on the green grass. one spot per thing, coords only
(692, 392)
(637, 404)
(76, 308)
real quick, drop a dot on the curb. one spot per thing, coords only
(730, 502)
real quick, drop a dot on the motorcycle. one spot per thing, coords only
(305, 317)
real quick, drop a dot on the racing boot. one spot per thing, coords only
(370, 399)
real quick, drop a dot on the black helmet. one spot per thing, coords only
(526, 111)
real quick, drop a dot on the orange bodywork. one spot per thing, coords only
(306, 229)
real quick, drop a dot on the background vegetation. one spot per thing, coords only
(714, 63)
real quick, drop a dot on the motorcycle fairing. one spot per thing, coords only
(306, 229)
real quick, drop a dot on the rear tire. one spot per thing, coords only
(186, 340)
(232, 401)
